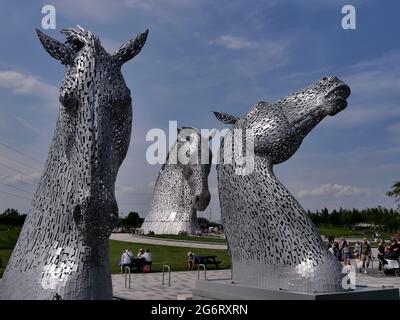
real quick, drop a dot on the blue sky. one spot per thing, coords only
(205, 55)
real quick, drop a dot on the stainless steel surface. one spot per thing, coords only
(63, 246)
(272, 242)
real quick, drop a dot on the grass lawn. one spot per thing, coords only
(187, 238)
(8, 239)
(348, 233)
(175, 257)
(341, 232)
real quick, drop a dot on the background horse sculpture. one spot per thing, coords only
(63, 247)
(182, 186)
(272, 242)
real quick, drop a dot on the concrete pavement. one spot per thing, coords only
(133, 238)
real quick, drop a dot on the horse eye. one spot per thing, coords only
(187, 138)
(69, 102)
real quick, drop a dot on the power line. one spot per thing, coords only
(14, 195)
(11, 168)
(16, 188)
(24, 182)
(21, 153)
(20, 162)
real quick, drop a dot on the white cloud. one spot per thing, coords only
(131, 190)
(269, 47)
(25, 84)
(359, 113)
(374, 85)
(333, 190)
(232, 42)
(32, 178)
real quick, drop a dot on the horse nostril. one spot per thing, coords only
(197, 199)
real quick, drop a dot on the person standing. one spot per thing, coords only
(365, 255)
(357, 248)
(346, 252)
(126, 260)
(380, 256)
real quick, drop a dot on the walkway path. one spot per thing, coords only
(127, 237)
(148, 286)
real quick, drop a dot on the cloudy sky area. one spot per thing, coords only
(204, 55)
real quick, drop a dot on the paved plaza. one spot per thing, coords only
(148, 286)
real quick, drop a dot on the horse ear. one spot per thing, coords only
(225, 118)
(131, 48)
(56, 49)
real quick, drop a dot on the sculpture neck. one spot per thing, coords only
(49, 248)
(172, 189)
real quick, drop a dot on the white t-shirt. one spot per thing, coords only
(126, 258)
(147, 256)
(331, 250)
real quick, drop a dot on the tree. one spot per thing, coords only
(11, 212)
(12, 217)
(132, 219)
(395, 191)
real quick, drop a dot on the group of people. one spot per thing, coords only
(142, 261)
(387, 250)
(362, 251)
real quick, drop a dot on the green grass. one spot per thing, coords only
(175, 257)
(8, 239)
(8, 236)
(187, 238)
(5, 256)
(340, 232)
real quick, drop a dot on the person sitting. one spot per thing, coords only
(395, 248)
(126, 260)
(190, 260)
(140, 253)
(147, 256)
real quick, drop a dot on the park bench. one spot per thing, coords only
(207, 260)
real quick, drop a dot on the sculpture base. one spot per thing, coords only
(226, 290)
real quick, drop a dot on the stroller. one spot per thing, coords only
(392, 266)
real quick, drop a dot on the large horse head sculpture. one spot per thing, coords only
(95, 124)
